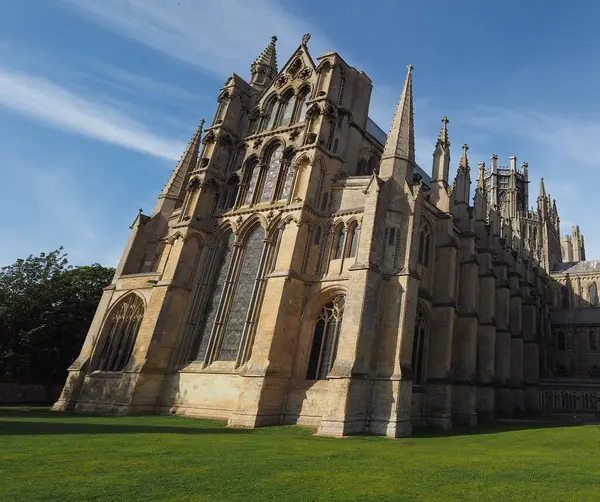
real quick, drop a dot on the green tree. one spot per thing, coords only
(46, 307)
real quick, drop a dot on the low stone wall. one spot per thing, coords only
(570, 397)
(12, 393)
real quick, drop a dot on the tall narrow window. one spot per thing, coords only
(324, 201)
(561, 342)
(121, 330)
(232, 191)
(271, 114)
(593, 295)
(420, 333)
(302, 105)
(339, 243)
(273, 167)
(361, 168)
(342, 87)
(564, 297)
(331, 134)
(220, 268)
(353, 236)
(424, 246)
(250, 180)
(221, 108)
(325, 339)
(287, 107)
(242, 296)
(373, 166)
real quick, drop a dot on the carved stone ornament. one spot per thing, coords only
(305, 73)
(281, 81)
(305, 38)
(294, 134)
(258, 142)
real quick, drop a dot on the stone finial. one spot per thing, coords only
(464, 161)
(305, 38)
(481, 177)
(443, 137)
(513, 163)
(494, 162)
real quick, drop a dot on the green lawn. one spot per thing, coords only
(50, 456)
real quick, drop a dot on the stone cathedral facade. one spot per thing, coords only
(300, 268)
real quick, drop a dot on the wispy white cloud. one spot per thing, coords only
(56, 106)
(219, 36)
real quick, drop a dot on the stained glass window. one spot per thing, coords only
(288, 110)
(353, 241)
(418, 347)
(288, 180)
(593, 294)
(270, 121)
(273, 167)
(121, 331)
(302, 106)
(252, 178)
(325, 339)
(221, 267)
(242, 296)
(339, 243)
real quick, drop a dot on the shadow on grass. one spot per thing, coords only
(29, 422)
(493, 428)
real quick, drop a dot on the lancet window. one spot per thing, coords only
(424, 246)
(593, 295)
(121, 330)
(273, 163)
(353, 235)
(340, 235)
(420, 335)
(302, 105)
(325, 339)
(287, 109)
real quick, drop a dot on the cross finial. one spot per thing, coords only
(445, 120)
(465, 148)
(410, 68)
(274, 38)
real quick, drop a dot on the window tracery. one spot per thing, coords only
(223, 255)
(420, 333)
(325, 339)
(272, 173)
(121, 330)
(242, 296)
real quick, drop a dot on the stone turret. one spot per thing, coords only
(441, 168)
(264, 70)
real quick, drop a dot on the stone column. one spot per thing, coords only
(486, 338)
(516, 343)
(438, 387)
(465, 338)
(503, 339)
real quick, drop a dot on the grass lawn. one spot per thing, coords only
(51, 456)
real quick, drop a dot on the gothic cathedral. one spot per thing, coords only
(300, 268)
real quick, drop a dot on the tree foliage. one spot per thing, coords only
(46, 307)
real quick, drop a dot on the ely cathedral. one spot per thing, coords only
(300, 268)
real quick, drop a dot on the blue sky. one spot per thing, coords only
(99, 98)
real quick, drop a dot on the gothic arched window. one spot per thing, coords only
(121, 330)
(564, 297)
(223, 100)
(232, 191)
(287, 109)
(373, 166)
(353, 240)
(324, 201)
(361, 169)
(424, 246)
(302, 104)
(220, 268)
(242, 296)
(420, 334)
(273, 164)
(340, 233)
(561, 342)
(593, 295)
(325, 339)
(271, 114)
(250, 179)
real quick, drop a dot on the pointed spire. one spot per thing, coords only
(554, 209)
(268, 57)
(264, 68)
(443, 137)
(176, 185)
(481, 176)
(542, 194)
(400, 144)
(464, 161)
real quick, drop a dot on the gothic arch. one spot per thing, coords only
(270, 145)
(226, 227)
(119, 332)
(249, 225)
(308, 321)
(421, 337)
